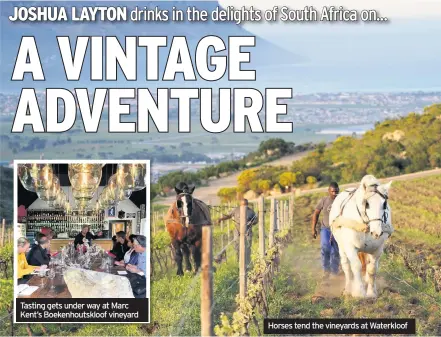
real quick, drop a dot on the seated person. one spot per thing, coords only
(121, 247)
(130, 257)
(47, 231)
(23, 268)
(38, 255)
(85, 236)
(139, 245)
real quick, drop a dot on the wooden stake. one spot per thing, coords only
(242, 250)
(3, 232)
(273, 222)
(262, 226)
(207, 282)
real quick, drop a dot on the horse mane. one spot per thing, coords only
(172, 214)
(369, 181)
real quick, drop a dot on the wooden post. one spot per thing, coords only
(243, 250)
(207, 282)
(273, 222)
(262, 226)
(280, 214)
(287, 223)
(222, 230)
(291, 210)
(3, 232)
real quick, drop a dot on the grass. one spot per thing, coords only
(175, 301)
(401, 293)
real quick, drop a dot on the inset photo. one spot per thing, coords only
(82, 232)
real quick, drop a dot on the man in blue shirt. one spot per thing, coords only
(139, 245)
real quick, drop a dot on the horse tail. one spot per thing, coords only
(362, 257)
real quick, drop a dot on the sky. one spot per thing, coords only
(402, 54)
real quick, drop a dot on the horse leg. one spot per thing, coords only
(371, 273)
(186, 252)
(196, 249)
(178, 257)
(345, 266)
(357, 283)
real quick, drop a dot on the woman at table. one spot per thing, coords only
(131, 256)
(23, 268)
(38, 255)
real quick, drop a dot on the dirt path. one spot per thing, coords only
(209, 192)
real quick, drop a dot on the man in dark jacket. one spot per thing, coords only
(121, 246)
(251, 220)
(84, 236)
(38, 255)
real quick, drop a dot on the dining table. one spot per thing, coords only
(57, 287)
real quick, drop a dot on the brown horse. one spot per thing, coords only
(184, 221)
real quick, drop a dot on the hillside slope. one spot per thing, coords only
(6, 194)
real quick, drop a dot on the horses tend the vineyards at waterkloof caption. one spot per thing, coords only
(184, 221)
(361, 222)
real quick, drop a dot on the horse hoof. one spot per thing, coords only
(371, 295)
(180, 273)
(358, 295)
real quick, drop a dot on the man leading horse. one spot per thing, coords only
(329, 247)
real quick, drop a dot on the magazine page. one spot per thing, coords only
(220, 168)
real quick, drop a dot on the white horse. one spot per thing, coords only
(366, 205)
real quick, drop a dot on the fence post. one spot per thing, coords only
(279, 215)
(207, 282)
(243, 250)
(3, 232)
(273, 219)
(286, 218)
(222, 230)
(262, 226)
(291, 210)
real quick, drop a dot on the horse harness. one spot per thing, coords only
(364, 216)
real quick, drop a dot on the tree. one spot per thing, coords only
(287, 179)
(275, 145)
(311, 180)
(227, 194)
(246, 177)
(264, 185)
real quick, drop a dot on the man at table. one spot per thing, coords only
(23, 268)
(139, 245)
(121, 246)
(85, 236)
(38, 255)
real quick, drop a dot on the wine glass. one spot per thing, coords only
(42, 274)
(51, 275)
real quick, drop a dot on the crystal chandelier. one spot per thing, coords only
(50, 194)
(84, 179)
(131, 177)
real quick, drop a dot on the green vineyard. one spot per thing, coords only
(409, 278)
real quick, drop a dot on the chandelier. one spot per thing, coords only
(50, 194)
(84, 179)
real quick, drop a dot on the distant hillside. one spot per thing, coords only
(399, 146)
(404, 145)
(6, 194)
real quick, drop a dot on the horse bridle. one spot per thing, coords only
(179, 203)
(364, 217)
